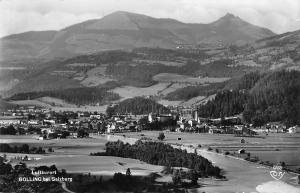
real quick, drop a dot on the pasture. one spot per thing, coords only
(177, 78)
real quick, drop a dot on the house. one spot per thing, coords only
(164, 118)
(192, 122)
(241, 151)
(42, 137)
(214, 129)
(294, 129)
(111, 128)
(95, 116)
(150, 118)
(49, 121)
(33, 122)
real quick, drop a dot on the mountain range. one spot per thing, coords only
(124, 30)
(126, 55)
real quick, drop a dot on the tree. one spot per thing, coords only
(110, 111)
(176, 178)
(193, 176)
(81, 133)
(161, 136)
(50, 149)
(128, 172)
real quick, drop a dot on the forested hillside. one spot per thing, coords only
(189, 92)
(275, 97)
(261, 98)
(137, 105)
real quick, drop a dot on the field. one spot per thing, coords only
(171, 77)
(152, 62)
(95, 77)
(131, 91)
(274, 147)
(73, 155)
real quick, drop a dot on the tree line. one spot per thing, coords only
(21, 149)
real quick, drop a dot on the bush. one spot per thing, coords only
(161, 136)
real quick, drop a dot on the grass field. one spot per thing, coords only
(171, 77)
(152, 62)
(274, 147)
(96, 76)
(131, 91)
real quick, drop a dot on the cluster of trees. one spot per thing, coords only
(158, 125)
(275, 97)
(226, 103)
(9, 180)
(106, 57)
(81, 133)
(79, 96)
(8, 130)
(122, 183)
(137, 106)
(158, 153)
(244, 82)
(21, 149)
(168, 54)
(189, 92)
(218, 68)
(139, 75)
(262, 98)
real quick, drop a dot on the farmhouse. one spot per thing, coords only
(294, 129)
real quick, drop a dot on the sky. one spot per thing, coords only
(18, 16)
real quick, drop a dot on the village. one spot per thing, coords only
(49, 124)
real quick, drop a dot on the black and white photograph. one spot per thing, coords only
(149, 96)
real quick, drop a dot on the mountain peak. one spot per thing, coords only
(229, 19)
(124, 13)
(229, 16)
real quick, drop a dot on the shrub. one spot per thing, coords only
(161, 136)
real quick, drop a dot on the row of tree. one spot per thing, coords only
(21, 149)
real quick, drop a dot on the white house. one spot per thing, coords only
(111, 128)
(294, 129)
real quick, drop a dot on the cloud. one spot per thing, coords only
(18, 15)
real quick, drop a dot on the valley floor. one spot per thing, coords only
(242, 176)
